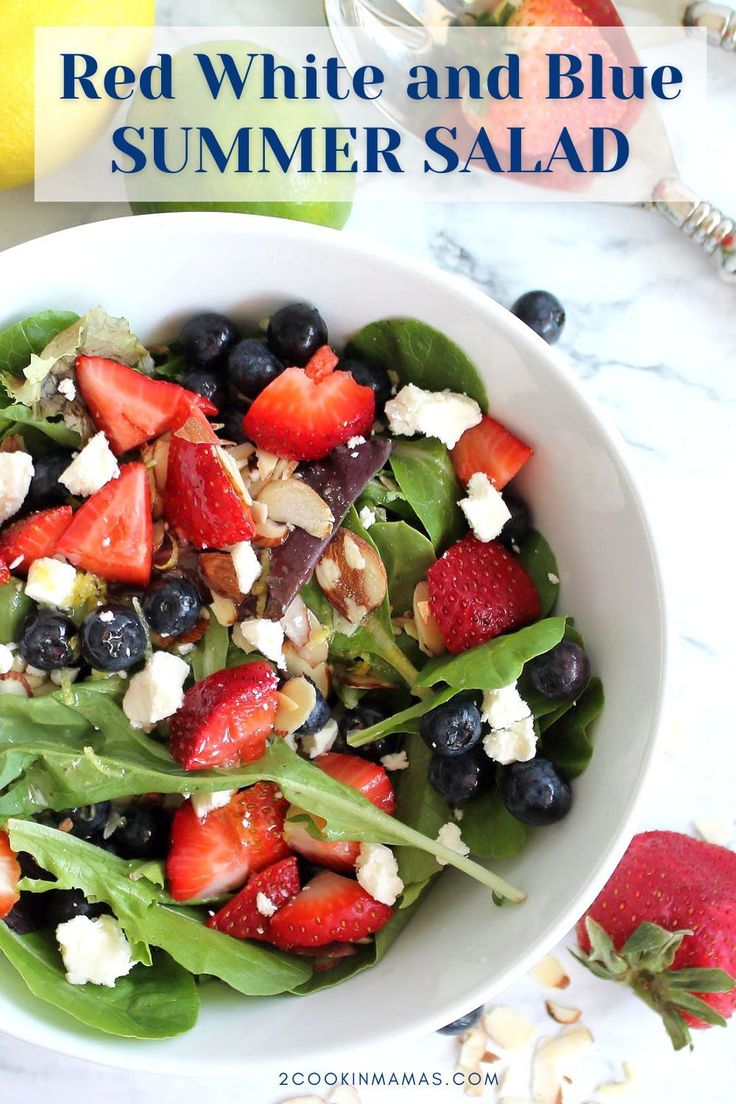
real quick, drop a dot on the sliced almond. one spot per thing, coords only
(508, 1027)
(428, 631)
(13, 443)
(352, 576)
(550, 974)
(233, 473)
(260, 512)
(553, 1059)
(562, 1014)
(718, 830)
(265, 463)
(294, 502)
(156, 458)
(268, 533)
(296, 700)
(224, 610)
(219, 574)
(617, 1090)
(364, 679)
(296, 622)
(241, 454)
(319, 673)
(473, 1047)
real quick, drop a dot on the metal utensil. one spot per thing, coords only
(399, 32)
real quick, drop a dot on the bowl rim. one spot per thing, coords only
(107, 1050)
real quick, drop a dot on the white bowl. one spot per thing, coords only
(459, 950)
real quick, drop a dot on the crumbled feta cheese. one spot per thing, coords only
(52, 583)
(107, 616)
(554, 579)
(449, 836)
(157, 691)
(378, 873)
(367, 517)
(320, 742)
(247, 565)
(205, 801)
(442, 414)
(66, 388)
(6, 659)
(265, 906)
(91, 469)
(95, 952)
(398, 760)
(503, 706)
(517, 743)
(16, 473)
(484, 508)
(260, 635)
(224, 610)
(355, 441)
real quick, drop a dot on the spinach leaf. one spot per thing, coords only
(497, 663)
(14, 608)
(424, 472)
(406, 555)
(210, 655)
(404, 721)
(384, 492)
(567, 742)
(18, 418)
(419, 354)
(539, 560)
(152, 1002)
(20, 341)
(252, 969)
(489, 829)
(418, 804)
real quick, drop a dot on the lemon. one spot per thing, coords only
(17, 55)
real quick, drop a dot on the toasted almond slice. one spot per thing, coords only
(260, 512)
(561, 1013)
(474, 1045)
(718, 830)
(428, 631)
(319, 673)
(294, 502)
(617, 1090)
(553, 1059)
(296, 699)
(224, 609)
(268, 533)
(219, 574)
(508, 1027)
(156, 458)
(265, 463)
(241, 454)
(317, 647)
(352, 576)
(296, 622)
(550, 974)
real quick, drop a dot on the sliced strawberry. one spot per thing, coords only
(300, 419)
(111, 535)
(242, 918)
(9, 876)
(321, 363)
(130, 407)
(489, 447)
(330, 909)
(369, 779)
(4, 573)
(477, 591)
(205, 499)
(216, 855)
(34, 537)
(225, 718)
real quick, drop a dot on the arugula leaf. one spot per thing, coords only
(406, 555)
(539, 560)
(19, 342)
(14, 608)
(210, 655)
(497, 663)
(489, 829)
(251, 968)
(419, 354)
(567, 742)
(152, 1002)
(424, 472)
(418, 804)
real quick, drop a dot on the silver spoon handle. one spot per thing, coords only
(701, 221)
(718, 20)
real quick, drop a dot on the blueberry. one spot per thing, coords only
(370, 375)
(112, 638)
(48, 640)
(207, 384)
(542, 312)
(232, 427)
(87, 821)
(462, 777)
(459, 1027)
(295, 333)
(319, 716)
(65, 904)
(207, 338)
(28, 914)
(46, 490)
(520, 521)
(172, 605)
(562, 673)
(369, 711)
(143, 832)
(251, 366)
(452, 728)
(536, 793)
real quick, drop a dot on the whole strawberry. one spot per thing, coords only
(665, 925)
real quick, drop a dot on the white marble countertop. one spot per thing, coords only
(652, 333)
